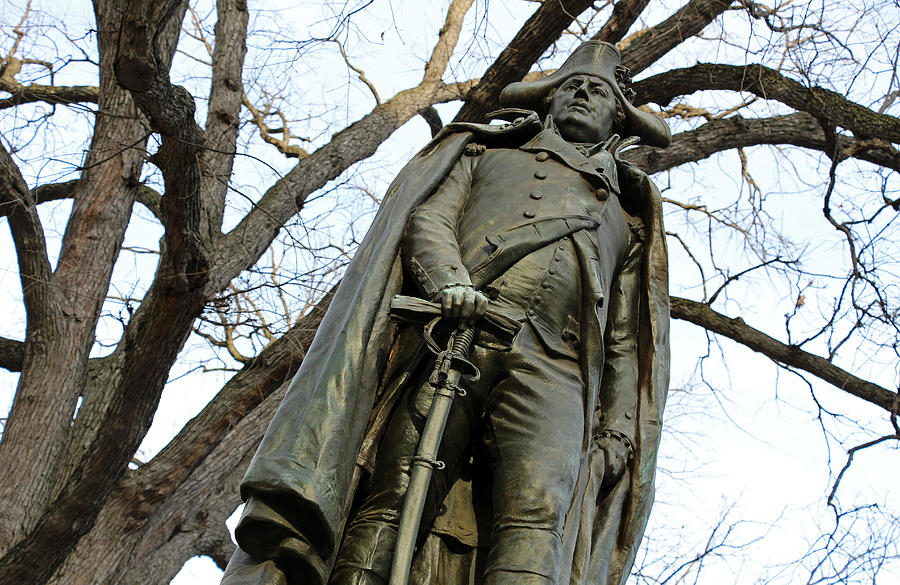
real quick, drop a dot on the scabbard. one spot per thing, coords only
(446, 387)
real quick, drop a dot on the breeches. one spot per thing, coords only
(527, 412)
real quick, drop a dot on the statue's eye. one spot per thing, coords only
(597, 90)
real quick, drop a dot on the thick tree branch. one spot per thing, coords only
(799, 129)
(50, 94)
(446, 43)
(242, 246)
(176, 297)
(655, 42)
(225, 97)
(65, 497)
(787, 355)
(624, 14)
(151, 343)
(179, 500)
(40, 421)
(55, 191)
(535, 36)
(769, 84)
(192, 518)
(138, 61)
(12, 353)
(214, 449)
(146, 196)
(17, 203)
(243, 392)
(170, 109)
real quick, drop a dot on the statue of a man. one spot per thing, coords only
(549, 459)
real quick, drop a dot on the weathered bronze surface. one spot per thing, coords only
(547, 460)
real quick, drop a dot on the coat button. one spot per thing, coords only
(536, 194)
(541, 156)
(602, 194)
(529, 214)
(540, 174)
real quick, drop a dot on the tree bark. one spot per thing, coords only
(38, 443)
(799, 129)
(61, 326)
(174, 506)
(624, 14)
(48, 94)
(657, 41)
(771, 85)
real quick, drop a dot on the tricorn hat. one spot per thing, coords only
(599, 59)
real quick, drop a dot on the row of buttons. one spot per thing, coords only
(547, 282)
(538, 174)
(541, 174)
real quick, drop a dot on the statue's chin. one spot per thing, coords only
(575, 127)
(584, 137)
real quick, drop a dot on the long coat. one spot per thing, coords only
(300, 485)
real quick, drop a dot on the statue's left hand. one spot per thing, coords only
(616, 455)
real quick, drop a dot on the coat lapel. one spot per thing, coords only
(599, 166)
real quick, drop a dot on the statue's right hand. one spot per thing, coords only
(461, 301)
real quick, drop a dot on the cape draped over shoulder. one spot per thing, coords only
(301, 482)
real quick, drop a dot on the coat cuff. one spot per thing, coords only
(620, 436)
(436, 279)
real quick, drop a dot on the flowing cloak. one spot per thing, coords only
(300, 484)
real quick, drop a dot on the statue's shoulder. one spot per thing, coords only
(517, 127)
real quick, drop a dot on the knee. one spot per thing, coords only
(366, 553)
(537, 496)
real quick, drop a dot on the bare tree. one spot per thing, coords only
(249, 183)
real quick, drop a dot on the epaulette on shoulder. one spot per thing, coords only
(474, 149)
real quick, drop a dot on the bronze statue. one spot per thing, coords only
(545, 471)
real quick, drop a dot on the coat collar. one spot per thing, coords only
(599, 165)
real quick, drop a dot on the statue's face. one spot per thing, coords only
(583, 109)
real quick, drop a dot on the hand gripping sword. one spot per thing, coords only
(451, 364)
